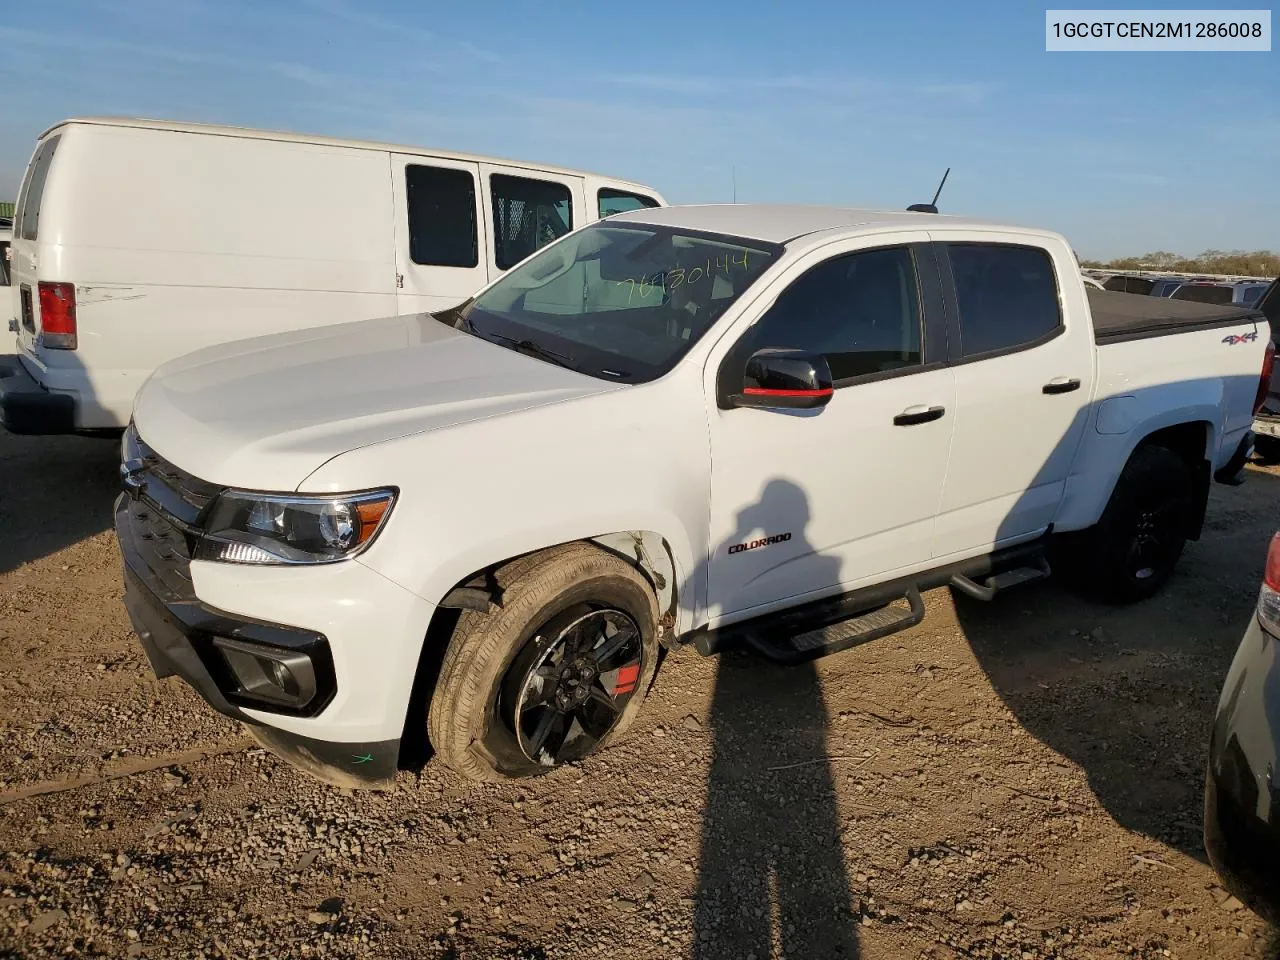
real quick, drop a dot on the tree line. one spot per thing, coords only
(1258, 263)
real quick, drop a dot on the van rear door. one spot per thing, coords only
(439, 231)
(26, 232)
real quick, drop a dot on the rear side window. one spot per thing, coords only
(27, 222)
(620, 201)
(1007, 295)
(442, 216)
(527, 214)
(861, 311)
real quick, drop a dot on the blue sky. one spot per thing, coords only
(818, 102)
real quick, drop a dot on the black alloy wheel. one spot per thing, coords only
(566, 690)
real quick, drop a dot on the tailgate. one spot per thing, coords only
(1270, 307)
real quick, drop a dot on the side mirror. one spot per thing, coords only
(778, 379)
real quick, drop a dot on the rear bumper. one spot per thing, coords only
(1242, 795)
(28, 408)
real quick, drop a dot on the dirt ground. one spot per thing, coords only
(1019, 780)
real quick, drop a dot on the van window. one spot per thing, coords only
(1007, 295)
(28, 214)
(527, 214)
(4, 263)
(619, 201)
(442, 216)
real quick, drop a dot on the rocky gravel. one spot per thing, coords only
(1013, 780)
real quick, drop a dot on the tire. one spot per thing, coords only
(1266, 449)
(1131, 552)
(479, 720)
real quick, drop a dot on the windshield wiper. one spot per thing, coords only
(535, 350)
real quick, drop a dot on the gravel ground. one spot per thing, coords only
(1015, 780)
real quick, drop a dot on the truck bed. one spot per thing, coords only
(1119, 317)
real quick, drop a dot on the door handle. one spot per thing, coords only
(918, 414)
(1061, 385)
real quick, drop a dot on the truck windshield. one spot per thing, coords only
(622, 302)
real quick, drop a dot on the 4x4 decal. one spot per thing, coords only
(1234, 338)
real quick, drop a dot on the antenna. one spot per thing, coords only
(932, 206)
(735, 184)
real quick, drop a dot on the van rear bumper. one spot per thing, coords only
(28, 408)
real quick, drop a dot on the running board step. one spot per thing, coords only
(990, 586)
(840, 635)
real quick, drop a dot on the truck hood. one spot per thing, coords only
(265, 413)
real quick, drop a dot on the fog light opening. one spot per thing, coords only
(268, 675)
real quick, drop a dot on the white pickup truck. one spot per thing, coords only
(676, 426)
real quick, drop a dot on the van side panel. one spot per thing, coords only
(178, 240)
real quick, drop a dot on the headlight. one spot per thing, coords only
(265, 528)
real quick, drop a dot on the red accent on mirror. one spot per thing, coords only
(764, 392)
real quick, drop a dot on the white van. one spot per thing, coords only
(136, 241)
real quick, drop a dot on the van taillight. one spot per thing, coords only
(58, 315)
(1264, 384)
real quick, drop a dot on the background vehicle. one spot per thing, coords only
(1090, 282)
(6, 236)
(139, 241)
(681, 425)
(1248, 294)
(1199, 292)
(1241, 821)
(1123, 283)
(1165, 286)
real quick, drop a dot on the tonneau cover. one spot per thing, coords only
(1134, 316)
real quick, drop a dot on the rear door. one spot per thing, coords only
(23, 262)
(527, 209)
(439, 232)
(1023, 357)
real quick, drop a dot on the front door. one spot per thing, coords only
(441, 255)
(808, 503)
(1024, 379)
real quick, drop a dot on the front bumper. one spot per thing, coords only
(1242, 792)
(180, 635)
(28, 408)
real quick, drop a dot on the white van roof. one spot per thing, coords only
(218, 130)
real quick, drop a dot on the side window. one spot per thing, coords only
(27, 224)
(442, 216)
(1007, 295)
(619, 201)
(527, 214)
(861, 310)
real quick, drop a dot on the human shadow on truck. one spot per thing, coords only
(771, 844)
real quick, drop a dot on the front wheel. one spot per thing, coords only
(555, 674)
(1132, 551)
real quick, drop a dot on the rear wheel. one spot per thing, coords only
(1132, 551)
(555, 674)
